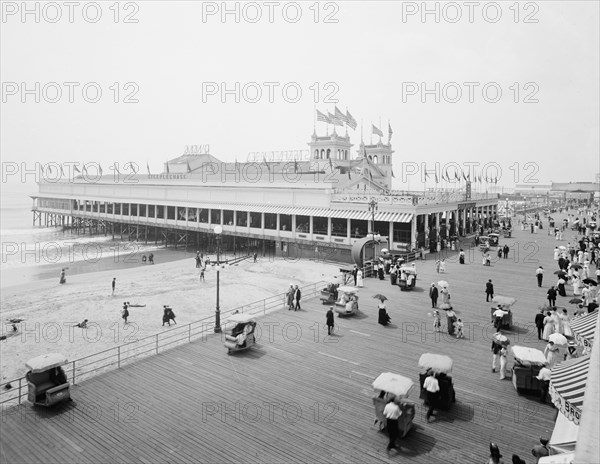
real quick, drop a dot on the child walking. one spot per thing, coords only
(459, 328)
(437, 321)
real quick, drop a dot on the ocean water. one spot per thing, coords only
(31, 253)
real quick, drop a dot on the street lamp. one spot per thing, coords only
(218, 230)
(372, 210)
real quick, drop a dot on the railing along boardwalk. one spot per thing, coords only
(301, 396)
(118, 356)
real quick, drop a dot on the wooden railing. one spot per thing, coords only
(84, 368)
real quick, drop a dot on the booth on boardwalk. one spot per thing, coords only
(400, 387)
(528, 362)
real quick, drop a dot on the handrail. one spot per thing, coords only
(151, 344)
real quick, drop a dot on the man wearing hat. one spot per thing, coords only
(329, 318)
(539, 273)
(433, 294)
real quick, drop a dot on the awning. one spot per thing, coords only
(564, 436)
(567, 386)
(583, 328)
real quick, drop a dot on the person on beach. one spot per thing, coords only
(539, 274)
(202, 274)
(125, 312)
(433, 294)
(461, 257)
(297, 296)
(168, 316)
(151, 258)
(144, 259)
(290, 297)
(63, 278)
(198, 260)
(255, 256)
(82, 324)
(489, 290)
(329, 320)
(114, 284)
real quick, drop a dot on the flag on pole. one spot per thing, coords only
(376, 131)
(341, 116)
(266, 164)
(334, 119)
(148, 167)
(351, 121)
(390, 132)
(323, 117)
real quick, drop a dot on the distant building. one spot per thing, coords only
(321, 208)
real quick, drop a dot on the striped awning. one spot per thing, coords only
(567, 387)
(583, 328)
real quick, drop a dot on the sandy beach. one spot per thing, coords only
(50, 310)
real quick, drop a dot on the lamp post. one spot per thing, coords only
(375, 237)
(218, 230)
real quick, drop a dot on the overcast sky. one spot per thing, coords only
(373, 61)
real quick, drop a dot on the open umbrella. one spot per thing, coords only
(576, 266)
(558, 339)
(436, 362)
(504, 300)
(501, 339)
(590, 282)
(443, 283)
(381, 297)
(393, 383)
(559, 272)
(575, 300)
(45, 362)
(562, 247)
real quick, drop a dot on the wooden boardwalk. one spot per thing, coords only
(301, 396)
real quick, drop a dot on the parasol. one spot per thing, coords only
(501, 339)
(575, 300)
(46, 361)
(562, 247)
(443, 284)
(576, 266)
(393, 383)
(559, 272)
(504, 300)
(590, 282)
(528, 356)
(347, 289)
(558, 339)
(436, 362)
(562, 281)
(381, 297)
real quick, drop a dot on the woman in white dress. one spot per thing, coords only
(359, 278)
(552, 355)
(548, 326)
(556, 252)
(566, 324)
(576, 285)
(586, 270)
(585, 295)
(556, 322)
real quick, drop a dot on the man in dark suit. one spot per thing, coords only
(329, 317)
(297, 295)
(539, 323)
(433, 294)
(355, 273)
(505, 250)
(489, 290)
(552, 296)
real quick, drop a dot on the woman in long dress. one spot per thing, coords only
(556, 251)
(566, 324)
(556, 322)
(359, 278)
(576, 285)
(552, 355)
(548, 326)
(585, 295)
(561, 287)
